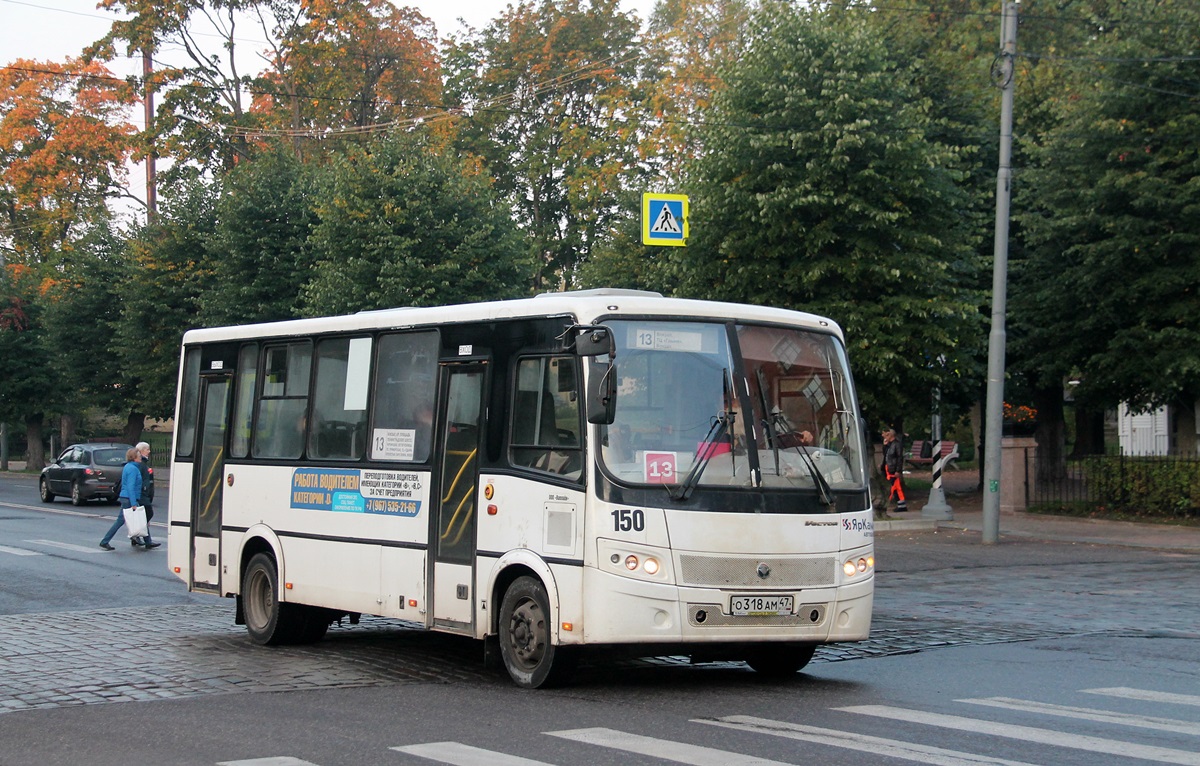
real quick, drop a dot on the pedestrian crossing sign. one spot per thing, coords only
(664, 219)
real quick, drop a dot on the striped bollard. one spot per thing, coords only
(936, 508)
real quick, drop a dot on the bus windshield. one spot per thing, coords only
(690, 413)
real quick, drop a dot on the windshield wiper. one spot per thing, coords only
(782, 424)
(720, 426)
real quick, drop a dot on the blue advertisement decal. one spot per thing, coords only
(347, 490)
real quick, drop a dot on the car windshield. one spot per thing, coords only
(109, 456)
(786, 406)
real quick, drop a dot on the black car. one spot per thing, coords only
(85, 472)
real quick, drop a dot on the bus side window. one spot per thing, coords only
(404, 392)
(282, 409)
(339, 412)
(546, 416)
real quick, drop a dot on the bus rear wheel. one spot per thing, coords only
(269, 621)
(529, 655)
(778, 661)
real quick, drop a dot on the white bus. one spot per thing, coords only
(605, 468)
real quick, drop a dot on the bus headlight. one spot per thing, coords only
(858, 565)
(634, 560)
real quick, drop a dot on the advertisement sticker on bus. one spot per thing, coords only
(351, 490)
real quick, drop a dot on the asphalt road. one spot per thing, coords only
(1023, 652)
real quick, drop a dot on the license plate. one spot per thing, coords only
(754, 606)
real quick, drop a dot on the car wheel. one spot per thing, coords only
(44, 487)
(77, 493)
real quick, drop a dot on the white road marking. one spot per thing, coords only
(889, 748)
(459, 754)
(279, 760)
(679, 752)
(1147, 695)
(1090, 714)
(1031, 734)
(19, 551)
(68, 546)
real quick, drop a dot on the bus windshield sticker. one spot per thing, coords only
(668, 340)
(394, 444)
(348, 490)
(660, 468)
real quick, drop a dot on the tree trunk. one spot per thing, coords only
(1051, 463)
(35, 457)
(1089, 432)
(66, 427)
(3, 446)
(133, 427)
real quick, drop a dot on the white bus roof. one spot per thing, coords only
(584, 305)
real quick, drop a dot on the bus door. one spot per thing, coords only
(207, 481)
(458, 444)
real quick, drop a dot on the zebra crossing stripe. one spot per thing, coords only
(679, 752)
(1147, 696)
(1030, 734)
(1090, 714)
(458, 754)
(19, 551)
(278, 760)
(67, 546)
(888, 748)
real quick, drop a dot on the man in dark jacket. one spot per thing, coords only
(893, 469)
(143, 465)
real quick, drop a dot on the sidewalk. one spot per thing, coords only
(966, 502)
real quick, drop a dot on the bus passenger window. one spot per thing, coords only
(546, 417)
(339, 427)
(404, 391)
(283, 406)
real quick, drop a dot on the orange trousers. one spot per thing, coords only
(897, 488)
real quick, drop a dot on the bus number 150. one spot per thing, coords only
(625, 520)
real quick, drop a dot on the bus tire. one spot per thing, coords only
(780, 661)
(530, 656)
(269, 621)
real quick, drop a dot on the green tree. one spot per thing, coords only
(26, 378)
(82, 309)
(257, 257)
(403, 222)
(550, 95)
(824, 189)
(164, 281)
(1110, 214)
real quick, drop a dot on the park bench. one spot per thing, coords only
(949, 451)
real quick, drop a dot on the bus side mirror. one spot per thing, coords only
(593, 341)
(601, 392)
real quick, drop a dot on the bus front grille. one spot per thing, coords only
(744, 572)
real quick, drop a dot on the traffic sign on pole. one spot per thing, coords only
(664, 219)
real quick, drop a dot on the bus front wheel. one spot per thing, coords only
(269, 621)
(529, 655)
(779, 661)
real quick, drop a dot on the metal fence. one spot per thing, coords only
(1138, 485)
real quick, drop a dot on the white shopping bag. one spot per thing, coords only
(135, 521)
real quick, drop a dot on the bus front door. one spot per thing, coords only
(207, 486)
(458, 445)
